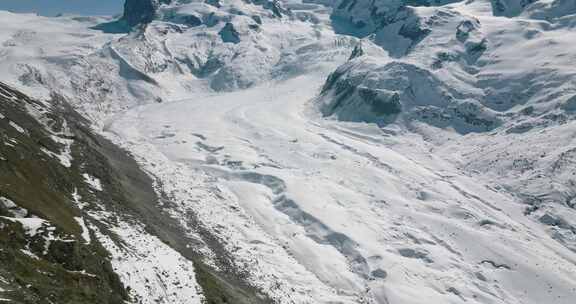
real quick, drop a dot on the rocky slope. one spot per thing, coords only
(74, 208)
(48, 252)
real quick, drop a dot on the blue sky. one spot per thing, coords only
(53, 7)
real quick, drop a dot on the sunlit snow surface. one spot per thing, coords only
(317, 210)
(344, 209)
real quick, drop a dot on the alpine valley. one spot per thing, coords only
(290, 152)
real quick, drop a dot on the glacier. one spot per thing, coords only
(353, 151)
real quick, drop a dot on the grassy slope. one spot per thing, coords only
(42, 185)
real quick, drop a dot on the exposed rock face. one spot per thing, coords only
(362, 18)
(510, 8)
(145, 11)
(349, 99)
(214, 3)
(363, 91)
(141, 11)
(229, 33)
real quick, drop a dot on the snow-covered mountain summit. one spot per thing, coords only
(170, 50)
(348, 151)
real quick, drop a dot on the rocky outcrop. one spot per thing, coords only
(275, 6)
(510, 8)
(141, 11)
(345, 97)
(362, 90)
(137, 12)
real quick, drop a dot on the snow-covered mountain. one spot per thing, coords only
(353, 151)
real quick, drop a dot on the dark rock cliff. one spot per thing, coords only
(141, 11)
